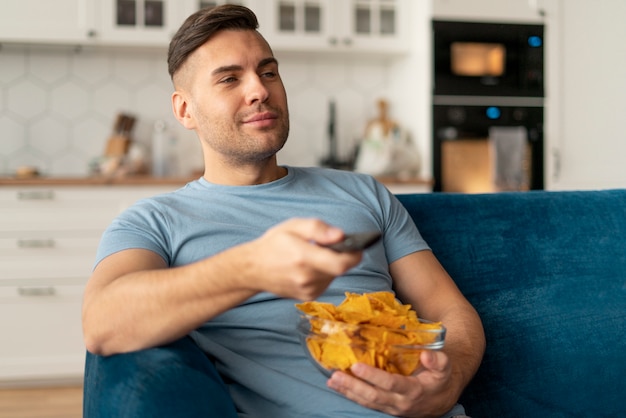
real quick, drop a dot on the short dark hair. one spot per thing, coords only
(200, 26)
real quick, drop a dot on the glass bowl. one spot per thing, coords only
(334, 345)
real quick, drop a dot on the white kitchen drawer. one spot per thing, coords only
(47, 257)
(41, 333)
(65, 208)
(48, 242)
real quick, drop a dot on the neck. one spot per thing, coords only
(243, 175)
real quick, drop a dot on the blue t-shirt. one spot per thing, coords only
(255, 345)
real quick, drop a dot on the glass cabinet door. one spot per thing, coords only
(137, 22)
(148, 13)
(298, 24)
(375, 17)
(297, 16)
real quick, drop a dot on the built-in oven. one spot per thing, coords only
(487, 107)
(488, 146)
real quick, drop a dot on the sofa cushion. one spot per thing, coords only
(547, 273)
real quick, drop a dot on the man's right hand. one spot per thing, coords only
(290, 259)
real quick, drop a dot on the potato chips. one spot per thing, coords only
(371, 328)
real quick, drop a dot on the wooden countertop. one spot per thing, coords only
(149, 181)
(95, 181)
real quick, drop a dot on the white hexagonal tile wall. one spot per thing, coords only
(328, 75)
(49, 135)
(89, 136)
(59, 102)
(134, 69)
(370, 76)
(12, 64)
(154, 100)
(11, 136)
(309, 105)
(25, 98)
(69, 100)
(70, 164)
(111, 98)
(91, 67)
(49, 66)
(295, 73)
(307, 145)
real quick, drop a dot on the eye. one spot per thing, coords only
(228, 80)
(269, 74)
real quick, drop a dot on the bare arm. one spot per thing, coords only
(420, 280)
(435, 296)
(133, 301)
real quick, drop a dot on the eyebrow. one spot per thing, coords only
(230, 68)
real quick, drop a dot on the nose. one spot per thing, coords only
(256, 90)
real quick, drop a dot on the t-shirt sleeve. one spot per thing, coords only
(140, 226)
(401, 236)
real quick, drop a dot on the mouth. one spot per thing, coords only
(261, 118)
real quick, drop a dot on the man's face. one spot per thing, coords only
(235, 97)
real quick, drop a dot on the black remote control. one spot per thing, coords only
(356, 242)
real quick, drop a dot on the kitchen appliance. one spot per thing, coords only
(488, 59)
(465, 155)
(488, 107)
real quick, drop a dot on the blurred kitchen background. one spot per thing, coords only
(69, 67)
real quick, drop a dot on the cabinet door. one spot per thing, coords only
(300, 25)
(41, 333)
(586, 95)
(138, 22)
(339, 25)
(374, 25)
(46, 21)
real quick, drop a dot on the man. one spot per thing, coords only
(225, 258)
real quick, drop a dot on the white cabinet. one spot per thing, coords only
(148, 22)
(138, 22)
(337, 25)
(586, 93)
(374, 26)
(46, 21)
(48, 241)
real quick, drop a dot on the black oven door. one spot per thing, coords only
(476, 148)
(488, 59)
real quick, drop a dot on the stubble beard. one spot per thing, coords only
(240, 148)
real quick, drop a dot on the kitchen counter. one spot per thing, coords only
(155, 181)
(95, 181)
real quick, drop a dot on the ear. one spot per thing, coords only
(181, 109)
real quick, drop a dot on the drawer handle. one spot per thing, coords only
(35, 195)
(35, 243)
(37, 291)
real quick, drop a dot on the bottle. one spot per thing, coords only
(158, 149)
(164, 156)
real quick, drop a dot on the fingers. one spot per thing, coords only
(435, 361)
(396, 394)
(312, 230)
(289, 262)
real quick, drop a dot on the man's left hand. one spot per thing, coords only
(427, 393)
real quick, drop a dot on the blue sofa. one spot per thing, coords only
(546, 272)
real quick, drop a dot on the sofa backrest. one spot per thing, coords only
(547, 273)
